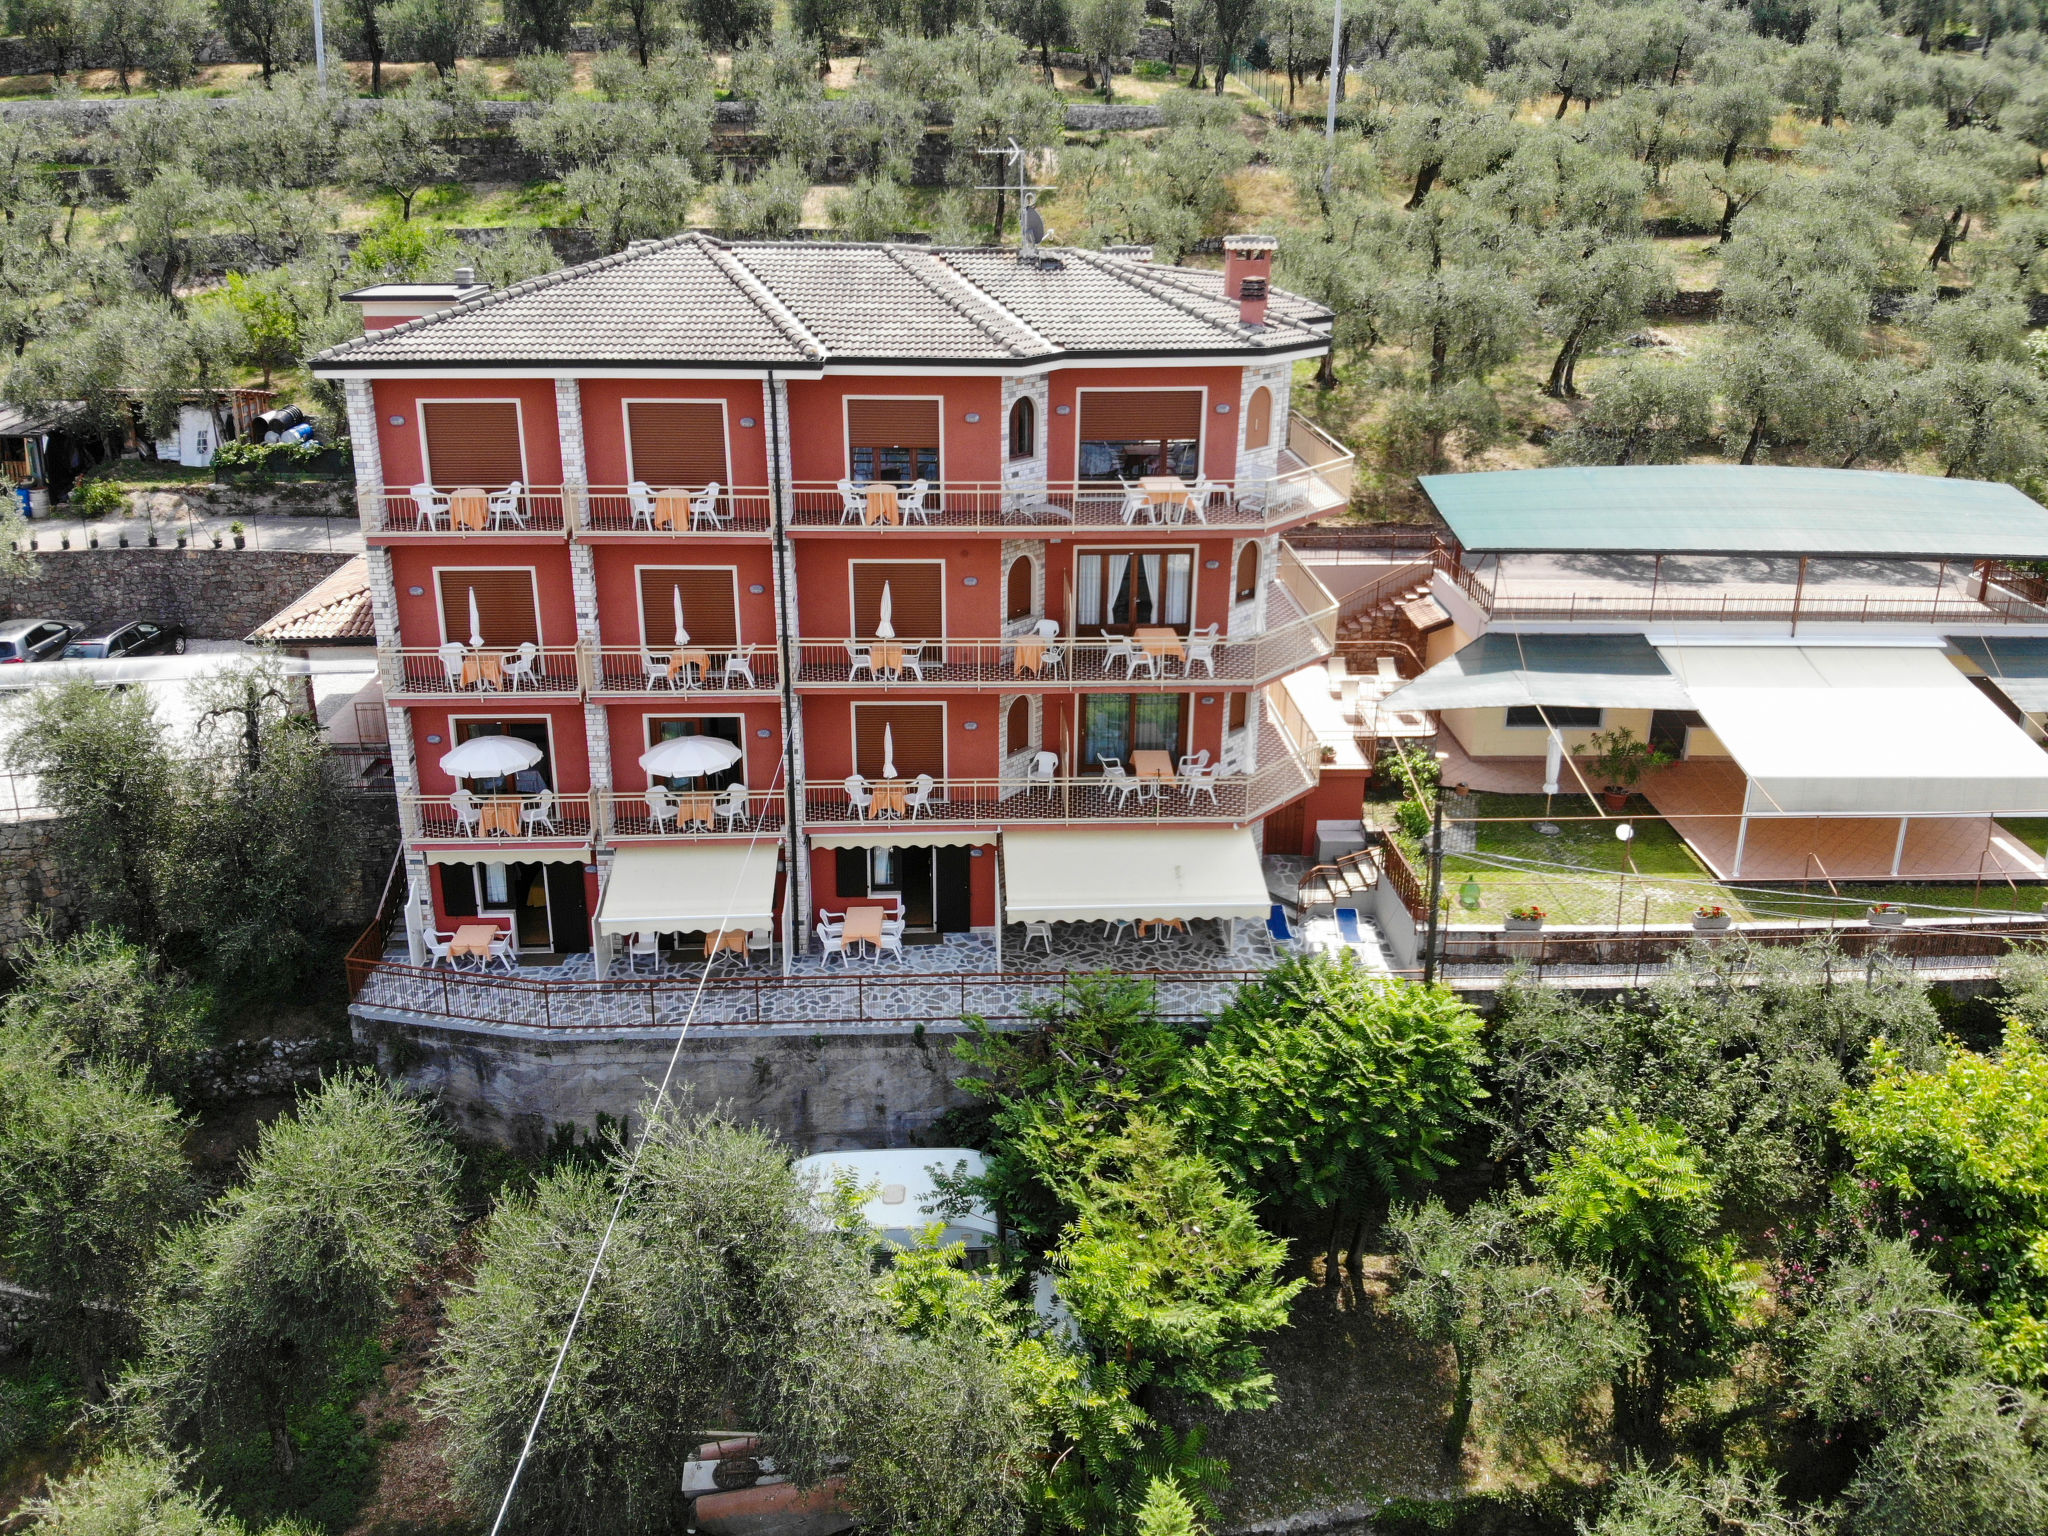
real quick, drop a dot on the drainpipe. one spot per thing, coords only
(785, 627)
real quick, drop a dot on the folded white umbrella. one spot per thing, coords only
(688, 757)
(888, 752)
(476, 624)
(489, 757)
(682, 634)
(883, 627)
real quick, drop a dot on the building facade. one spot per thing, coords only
(939, 544)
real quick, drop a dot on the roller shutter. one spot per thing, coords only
(892, 423)
(1140, 415)
(1258, 419)
(918, 732)
(916, 598)
(473, 442)
(678, 442)
(708, 606)
(504, 604)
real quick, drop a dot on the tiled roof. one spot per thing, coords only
(697, 301)
(336, 611)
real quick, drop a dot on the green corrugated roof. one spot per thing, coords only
(1736, 509)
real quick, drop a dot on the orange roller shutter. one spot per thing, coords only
(916, 598)
(473, 442)
(678, 442)
(708, 606)
(1258, 418)
(1140, 415)
(892, 423)
(504, 603)
(918, 733)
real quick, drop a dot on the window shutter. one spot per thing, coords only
(458, 890)
(1248, 573)
(473, 442)
(1258, 418)
(1017, 727)
(892, 423)
(709, 606)
(918, 732)
(504, 604)
(1018, 605)
(1141, 415)
(678, 442)
(916, 598)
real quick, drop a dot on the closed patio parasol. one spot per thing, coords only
(688, 757)
(682, 634)
(489, 757)
(884, 628)
(888, 752)
(476, 623)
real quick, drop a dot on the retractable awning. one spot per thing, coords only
(1861, 731)
(2017, 666)
(895, 835)
(478, 852)
(1096, 874)
(689, 888)
(1500, 668)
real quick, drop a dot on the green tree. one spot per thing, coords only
(92, 1172)
(397, 149)
(873, 208)
(96, 999)
(726, 24)
(1681, 1501)
(59, 31)
(273, 34)
(651, 24)
(1167, 1511)
(131, 1493)
(542, 25)
(1645, 410)
(441, 32)
(1974, 1465)
(1881, 1339)
(1592, 291)
(770, 205)
(1634, 1202)
(253, 1302)
(621, 200)
(1105, 31)
(364, 19)
(1236, 20)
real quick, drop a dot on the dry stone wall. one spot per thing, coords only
(217, 594)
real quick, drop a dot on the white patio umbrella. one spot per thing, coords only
(688, 757)
(476, 624)
(888, 752)
(682, 634)
(489, 757)
(883, 627)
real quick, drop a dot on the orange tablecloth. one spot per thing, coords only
(888, 798)
(701, 660)
(473, 939)
(695, 808)
(1156, 640)
(485, 668)
(501, 815)
(882, 506)
(672, 509)
(1163, 490)
(863, 925)
(734, 939)
(469, 507)
(1030, 656)
(1152, 765)
(887, 656)
(1175, 924)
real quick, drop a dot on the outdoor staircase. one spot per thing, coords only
(1348, 881)
(1380, 617)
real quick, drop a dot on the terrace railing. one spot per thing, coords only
(492, 671)
(676, 510)
(687, 815)
(500, 820)
(469, 511)
(665, 670)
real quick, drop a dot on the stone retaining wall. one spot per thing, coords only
(29, 886)
(217, 594)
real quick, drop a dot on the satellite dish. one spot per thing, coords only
(1034, 226)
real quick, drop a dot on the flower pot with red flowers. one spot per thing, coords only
(1526, 919)
(1711, 919)
(1884, 914)
(1620, 760)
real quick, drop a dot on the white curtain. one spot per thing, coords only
(1118, 566)
(1151, 588)
(1180, 573)
(1088, 589)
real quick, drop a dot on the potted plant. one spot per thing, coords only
(1620, 760)
(1526, 919)
(216, 538)
(241, 534)
(184, 539)
(1884, 914)
(1329, 754)
(1711, 919)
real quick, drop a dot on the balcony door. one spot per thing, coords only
(709, 601)
(506, 610)
(677, 444)
(917, 598)
(1118, 724)
(472, 442)
(1126, 433)
(528, 780)
(1117, 591)
(725, 727)
(916, 735)
(892, 437)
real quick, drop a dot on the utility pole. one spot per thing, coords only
(1330, 118)
(320, 46)
(1436, 885)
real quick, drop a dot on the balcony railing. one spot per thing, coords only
(467, 511)
(1061, 507)
(491, 671)
(650, 510)
(662, 670)
(496, 820)
(688, 814)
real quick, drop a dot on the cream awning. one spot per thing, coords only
(904, 837)
(1085, 875)
(493, 853)
(1861, 731)
(689, 888)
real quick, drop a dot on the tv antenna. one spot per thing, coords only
(1031, 227)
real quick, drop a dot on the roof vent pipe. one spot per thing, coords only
(1248, 274)
(465, 277)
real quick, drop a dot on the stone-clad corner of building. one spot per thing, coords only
(881, 1087)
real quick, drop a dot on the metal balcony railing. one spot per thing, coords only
(495, 820)
(467, 511)
(678, 510)
(490, 671)
(688, 813)
(662, 670)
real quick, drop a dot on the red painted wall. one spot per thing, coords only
(1219, 433)
(1212, 587)
(616, 567)
(824, 583)
(970, 754)
(968, 451)
(604, 424)
(981, 888)
(402, 444)
(626, 725)
(419, 617)
(569, 751)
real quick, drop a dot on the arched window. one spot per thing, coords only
(1258, 418)
(1023, 429)
(1017, 727)
(1248, 573)
(1017, 604)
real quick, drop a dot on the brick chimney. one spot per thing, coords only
(1248, 274)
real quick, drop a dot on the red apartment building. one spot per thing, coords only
(953, 536)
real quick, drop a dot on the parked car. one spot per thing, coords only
(35, 639)
(137, 637)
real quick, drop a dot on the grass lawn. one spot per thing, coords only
(1585, 874)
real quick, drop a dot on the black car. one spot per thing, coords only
(35, 639)
(138, 637)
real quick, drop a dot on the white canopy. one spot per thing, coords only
(1085, 875)
(887, 836)
(1861, 731)
(689, 888)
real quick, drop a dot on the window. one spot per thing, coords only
(1023, 429)
(1017, 600)
(1258, 418)
(917, 601)
(1118, 724)
(1119, 590)
(894, 438)
(1126, 433)
(472, 442)
(914, 733)
(710, 617)
(1563, 716)
(1248, 573)
(1017, 728)
(528, 780)
(677, 442)
(1240, 711)
(502, 602)
(724, 727)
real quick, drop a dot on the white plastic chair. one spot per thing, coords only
(731, 806)
(1195, 507)
(1198, 779)
(661, 806)
(762, 940)
(890, 943)
(738, 666)
(503, 951)
(1054, 655)
(507, 506)
(641, 497)
(853, 505)
(518, 666)
(1201, 650)
(429, 504)
(859, 659)
(451, 663)
(468, 814)
(647, 944)
(1114, 929)
(857, 793)
(1044, 768)
(1039, 931)
(918, 796)
(1124, 649)
(538, 812)
(832, 939)
(912, 662)
(1120, 783)
(704, 508)
(912, 502)
(1137, 504)
(437, 947)
(654, 671)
